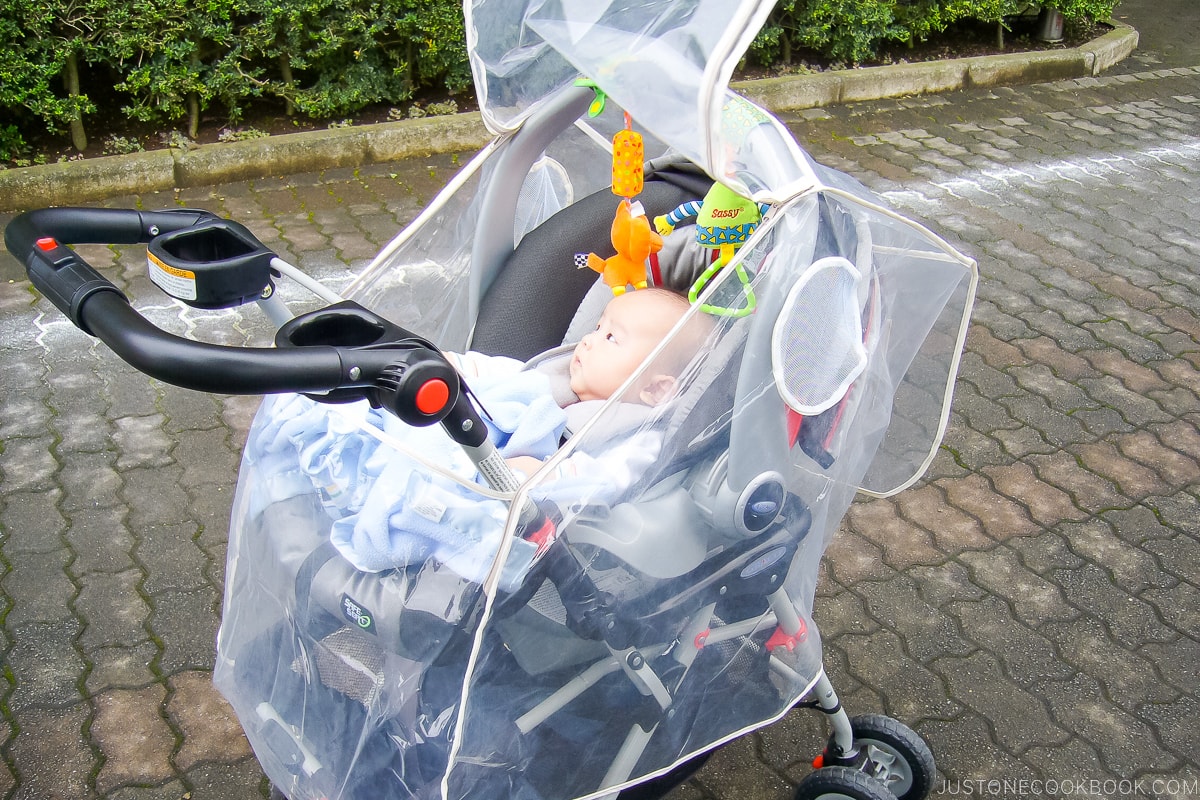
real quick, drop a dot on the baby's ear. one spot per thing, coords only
(658, 390)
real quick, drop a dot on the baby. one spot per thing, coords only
(630, 327)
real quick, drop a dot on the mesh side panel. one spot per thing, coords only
(742, 655)
(547, 603)
(348, 663)
(817, 344)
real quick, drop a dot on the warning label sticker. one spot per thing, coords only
(180, 283)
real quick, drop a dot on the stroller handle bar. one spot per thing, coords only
(385, 364)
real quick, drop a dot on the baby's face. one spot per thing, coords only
(632, 325)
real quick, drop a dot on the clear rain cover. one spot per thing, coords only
(670, 610)
(667, 62)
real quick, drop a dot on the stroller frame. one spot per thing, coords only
(652, 643)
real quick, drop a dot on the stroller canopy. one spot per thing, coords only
(666, 62)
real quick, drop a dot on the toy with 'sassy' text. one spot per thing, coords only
(724, 221)
(634, 240)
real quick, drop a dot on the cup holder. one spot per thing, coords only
(345, 324)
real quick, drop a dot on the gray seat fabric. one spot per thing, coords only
(530, 305)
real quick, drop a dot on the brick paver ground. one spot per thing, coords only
(1032, 607)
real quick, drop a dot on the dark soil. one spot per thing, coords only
(114, 134)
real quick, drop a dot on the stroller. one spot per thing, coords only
(572, 638)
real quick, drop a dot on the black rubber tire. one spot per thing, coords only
(275, 794)
(913, 771)
(840, 783)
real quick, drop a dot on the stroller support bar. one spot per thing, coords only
(627, 757)
(566, 693)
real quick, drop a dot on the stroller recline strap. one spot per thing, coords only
(306, 575)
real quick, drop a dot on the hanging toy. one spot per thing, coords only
(628, 161)
(631, 234)
(725, 220)
(634, 241)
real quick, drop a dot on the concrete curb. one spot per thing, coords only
(205, 165)
(794, 93)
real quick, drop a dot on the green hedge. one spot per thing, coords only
(853, 31)
(168, 61)
(171, 60)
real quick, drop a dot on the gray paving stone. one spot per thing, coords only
(121, 667)
(1178, 605)
(89, 481)
(1127, 678)
(1069, 768)
(38, 588)
(1045, 553)
(843, 612)
(738, 769)
(1153, 518)
(31, 523)
(969, 757)
(977, 682)
(1127, 745)
(156, 496)
(1131, 621)
(242, 781)
(1053, 423)
(912, 690)
(171, 790)
(100, 541)
(1024, 654)
(1179, 555)
(1130, 568)
(171, 558)
(115, 611)
(944, 583)
(57, 762)
(44, 666)
(186, 621)
(1034, 600)
(28, 464)
(898, 606)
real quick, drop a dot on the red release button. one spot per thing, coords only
(432, 396)
(46, 244)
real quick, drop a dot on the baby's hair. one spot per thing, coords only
(687, 342)
(667, 291)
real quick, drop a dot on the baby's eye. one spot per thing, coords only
(610, 337)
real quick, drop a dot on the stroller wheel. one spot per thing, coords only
(841, 783)
(897, 757)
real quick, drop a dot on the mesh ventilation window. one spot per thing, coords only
(546, 191)
(817, 345)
